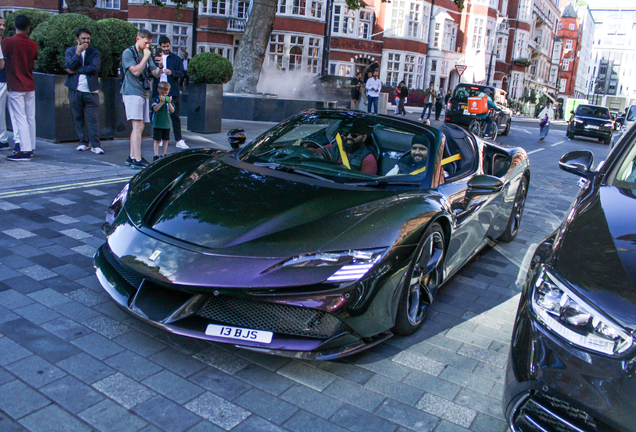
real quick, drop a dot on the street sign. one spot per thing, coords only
(460, 69)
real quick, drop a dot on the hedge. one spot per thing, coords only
(57, 33)
(210, 68)
(122, 34)
(36, 17)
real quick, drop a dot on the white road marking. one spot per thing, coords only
(535, 151)
(556, 144)
(522, 130)
(108, 163)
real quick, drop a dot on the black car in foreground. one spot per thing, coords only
(572, 363)
(591, 121)
(457, 107)
(281, 248)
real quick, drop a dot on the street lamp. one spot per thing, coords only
(500, 20)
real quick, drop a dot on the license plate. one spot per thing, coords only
(463, 107)
(239, 333)
(466, 112)
(591, 127)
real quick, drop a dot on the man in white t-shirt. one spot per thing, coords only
(373, 91)
(82, 65)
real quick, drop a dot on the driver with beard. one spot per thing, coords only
(351, 140)
(413, 163)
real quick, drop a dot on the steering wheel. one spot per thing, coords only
(325, 154)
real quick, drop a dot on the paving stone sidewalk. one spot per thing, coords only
(70, 360)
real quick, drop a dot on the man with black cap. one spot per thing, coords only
(414, 163)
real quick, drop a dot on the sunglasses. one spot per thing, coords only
(353, 135)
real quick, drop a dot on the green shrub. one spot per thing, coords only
(122, 34)
(57, 33)
(36, 17)
(210, 68)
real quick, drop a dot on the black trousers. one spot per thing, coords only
(438, 110)
(85, 111)
(176, 118)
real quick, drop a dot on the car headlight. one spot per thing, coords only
(568, 315)
(121, 196)
(609, 125)
(353, 264)
(577, 120)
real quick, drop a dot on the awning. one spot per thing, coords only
(549, 97)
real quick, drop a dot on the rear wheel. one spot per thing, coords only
(494, 130)
(507, 130)
(421, 282)
(512, 229)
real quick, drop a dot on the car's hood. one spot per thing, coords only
(598, 253)
(220, 206)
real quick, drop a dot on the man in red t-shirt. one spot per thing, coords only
(20, 53)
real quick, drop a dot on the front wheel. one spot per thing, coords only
(512, 229)
(494, 130)
(475, 127)
(421, 282)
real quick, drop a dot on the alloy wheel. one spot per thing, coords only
(425, 278)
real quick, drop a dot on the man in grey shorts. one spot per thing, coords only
(139, 69)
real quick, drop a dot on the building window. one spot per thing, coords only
(566, 64)
(419, 77)
(524, 9)
(276, 49)
(282, 6)
(572, 26)
(433, 65)
(397, 18)
(568, 44)
(222, 50)
(478, 30)
(352, 23)
(316, 9)
(520, 49)
(409, 67)
(107, 4)
(211, 7)
(437, 34)
(562, 85)
(313, 55)
(298, 7)
(393, 69)
(489, 32)
(414, 20)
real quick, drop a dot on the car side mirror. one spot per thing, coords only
(236, 137)
(484, 184)
(578, 162)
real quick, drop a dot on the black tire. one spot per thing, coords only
(608, 140)
(494, 130)
(421, 281)
(512, 229)
(507, 130)
(475, 127)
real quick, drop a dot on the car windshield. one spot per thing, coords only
(592, 111)
(463, 92)
(310, 145)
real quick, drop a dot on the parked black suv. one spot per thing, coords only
(591, 121)
(457, 108)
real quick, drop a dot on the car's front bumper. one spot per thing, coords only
(300, 332)
(583, 130)
(552, 385)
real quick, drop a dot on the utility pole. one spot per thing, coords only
(427, 72)
(326, 48)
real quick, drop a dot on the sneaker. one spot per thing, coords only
(82, 147)
(97, 150)
(137, 164)
(144, 161)
(5, 146)
(21, 156)
(155, 158)
(129, 161)
(182, 145)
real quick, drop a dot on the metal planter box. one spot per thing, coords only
(205, 107)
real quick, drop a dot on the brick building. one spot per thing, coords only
(505, 42)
